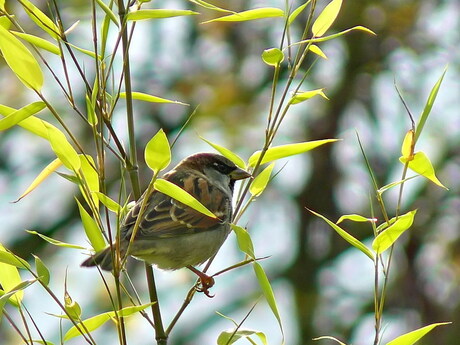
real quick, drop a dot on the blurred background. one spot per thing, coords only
(323, 287)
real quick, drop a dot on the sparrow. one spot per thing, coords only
(172, 235)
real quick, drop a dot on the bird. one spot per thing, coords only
(172, 235)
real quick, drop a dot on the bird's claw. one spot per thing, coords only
(204, 284)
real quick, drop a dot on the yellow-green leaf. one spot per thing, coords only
(41, 19)
(48, 170)
(158, 14)
(108, 12)
(182, 196)
(92, 230)
(355, 218)
(150, 98)
(303, 96)
(210, 6)
(63, 149)
(96, 321)
(9, 278)
(326, 18)
(259, 184)
(330, 338)
(232, 336)
(386, 238)
(421, 164)
(20, 60)
(13, 260)
(414, 336)
(72, 308)
(244, 240)
(333, 36)
(39, 42)
(317, 50)
(258, 13)
(108, 202)
(43, 272)
(91, 178)
(346, 236)
(19, 115)
(278, 152)
(55, 242)
(383, 189)
(158, 152)
(273, 56)
(407, 149)
(296, 12)
(227, 153)
(11, 294)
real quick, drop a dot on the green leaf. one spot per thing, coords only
(244, 240)
(412, 337)
(421, 164)
(41, 19)
(43, 273)
(296, 12)
(230, 337)
(63, 149)
(108, 12)
(317, 50)
(273, 56)
(92, 230)
(20, 60)
(278, 152)
(182, 196)
(12, 260)
(210, 6)
(38, 42)
(158, 14)
(55, 242)
(19, 115)
(428, 106)
(258, 13)
(158, 152)
(10, 278)
(303, 96)
(267, 290)
(108, 202)
(355, 218)
(346, 236)
(393, 184)
(259, 184)
(330, 338)
(150, 98)
(91, 178)
(227, 153)
(72, 308)
(386, 238)
(97, 321)
(331, 37)
(12, 294)
(326, 18)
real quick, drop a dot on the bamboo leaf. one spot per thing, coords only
(421, 164)
(346, 236)
(273, 56)
(296, 12)
(63, 149)
(182, 196)
(330, 338)
(317, 50)
(158, 14)
(258, 13)
(278, 152)
(9, 258)
(55, 242)
(388, 237)
(227, 153)
(92, 230)
(9, 279)
(407, 149)
(259, 184)
(414, 336)
(150, 98)
(19, 115)
(91, 179)
(326, 18)
(108, 202)
(355, 218)
(231, 336)
(43, 272)
(110, 14)
(244, 240)
(20, 60)
(41, 19)
(158, 152)
(38, 42)
(303, 96)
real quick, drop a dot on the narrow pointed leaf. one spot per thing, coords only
(346, 236)
(92, 230)
(421, 164)
(12, 294)
(63, 149)
(283, 151)
(181, 195)
(42, 271)
(414, 336)
(72, 307)
(259, 184)
(317, 50)
(108, 202)
(158, 14)
(258, 13)
(20, 60)
(244, 240)
(150, 98)
(97, 321)
(55, 242)
(326, 18)
(13, 260)
(231, 336)
(9, 279)
(303, 96)
(158, 152)
(334, 36)
(388, 237)
(227, 153)
(41, 19)
(330, 338)
(39, 42)
(17, 116)
(210, 6)
(91, 179)
(393, 184)
(113, 17)
(296, 12)
(428, 106)
(355, 218)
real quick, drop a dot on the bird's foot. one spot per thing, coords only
(206, 282)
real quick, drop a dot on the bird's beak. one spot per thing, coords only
(239, 174)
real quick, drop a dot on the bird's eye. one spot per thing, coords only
(222, 168)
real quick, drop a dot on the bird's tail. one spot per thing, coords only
(103, 259)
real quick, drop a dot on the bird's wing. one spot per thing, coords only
(166, 217)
